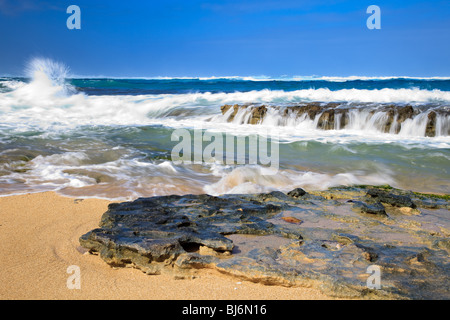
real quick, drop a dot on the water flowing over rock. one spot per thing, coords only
(326, 239)
(427, 120)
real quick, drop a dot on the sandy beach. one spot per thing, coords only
(187, 151)
(39, 240)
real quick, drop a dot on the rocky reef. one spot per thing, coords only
(327, 116)
(326, 239)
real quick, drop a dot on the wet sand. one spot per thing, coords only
(39, 241)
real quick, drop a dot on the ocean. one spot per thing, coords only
(113, 137)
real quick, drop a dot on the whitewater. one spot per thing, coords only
(111, 137)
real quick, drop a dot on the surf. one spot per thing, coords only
(111, 138)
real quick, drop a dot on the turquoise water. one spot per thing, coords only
(176, 86)
(112, 138)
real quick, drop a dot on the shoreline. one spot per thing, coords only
(39, 235)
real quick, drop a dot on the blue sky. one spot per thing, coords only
(229, 37)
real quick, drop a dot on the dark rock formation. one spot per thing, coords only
(404, 113)
(258, 114)
(227, 107)
(296, 193)
(431, 125)
(376, 208)
(333, 115)
(160, 229)
(392, 199)
(326, 120)
(326, 239)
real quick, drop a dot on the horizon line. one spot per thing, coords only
(249, 78)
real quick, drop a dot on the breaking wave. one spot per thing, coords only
(54, 135)
(49, 101)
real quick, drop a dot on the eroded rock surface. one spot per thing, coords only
(387, 118)
(342, 232)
